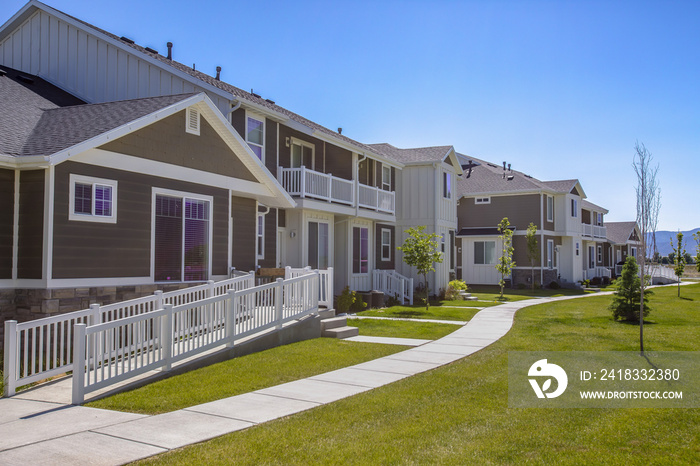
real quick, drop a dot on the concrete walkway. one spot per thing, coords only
(39, 432)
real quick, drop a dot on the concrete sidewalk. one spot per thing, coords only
(40, 432)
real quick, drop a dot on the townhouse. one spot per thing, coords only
(571, 232)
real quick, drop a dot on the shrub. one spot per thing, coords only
(392, 301)
(521, 286)
(350, 301)
(605, 281)
(626, 300)
(453, 289)
(554, 285)
(595, 281)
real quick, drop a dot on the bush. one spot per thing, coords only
(392, 301)
(596, 281)
(626, 300)
(554, 286)
(350, 301)
(605, 281)
(521, 286)
(453, 289)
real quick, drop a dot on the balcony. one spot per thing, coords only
(593, 231)
(307, 183)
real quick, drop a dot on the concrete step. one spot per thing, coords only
(464, 294)
(341, 332)
(471, 298)
(333, 322)
(326, 313)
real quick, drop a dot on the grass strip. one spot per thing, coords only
(413, 312)
(402, 328)
(458, 414)
(245, 374)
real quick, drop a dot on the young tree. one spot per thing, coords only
(626, 300)
(696, 236)
(420, 250)
(505, 263)
(679, 258)
(533, 249)
(648, 207)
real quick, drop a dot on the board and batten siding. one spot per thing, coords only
(7, 221)
(89, 67)
(106, 250)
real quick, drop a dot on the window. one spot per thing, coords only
(574, 208)
(386, 178)
(634, 252)
(260, 235)
(386, 244)
(92, 199)
(577, 249)
(600, 219)
(446, 185)
(619, 255)
(255, 135)
(302, 154)
(192, 121)
(182, 232)
(484, 252)
(360, 250)
(600, 254)
(550, 209)
(591, 257)
(318, 245)
(550, 254)
(482, 200)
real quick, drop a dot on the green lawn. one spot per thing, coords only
(402, 328)
(245, 374)
(458, 414)
(418, 312)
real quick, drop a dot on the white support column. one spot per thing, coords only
(78, 364)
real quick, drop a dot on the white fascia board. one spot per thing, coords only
(130, 50)
(503, 193)
(18, 18)
(123, 130)
(19, 162)
(245, 154)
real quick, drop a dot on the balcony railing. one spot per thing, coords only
(304, 183)
(594, 231)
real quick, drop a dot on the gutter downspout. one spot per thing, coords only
(234, 108)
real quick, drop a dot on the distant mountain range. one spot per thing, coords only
(663, 241)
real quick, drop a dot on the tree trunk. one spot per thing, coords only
(532, 274)
(427, 292)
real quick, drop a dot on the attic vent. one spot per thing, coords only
(25, 79)
(192, 121)
(127, 40)
(270, 101)
(3, 72)
(148, 49)
(492, 165)
(254, 94)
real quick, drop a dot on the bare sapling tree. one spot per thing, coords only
(648, 207)
(533, 250)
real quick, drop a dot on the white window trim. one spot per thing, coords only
(550, 254)
(446, 194)
(489, 264)
(188, 116)
(369, 251)
(550, 214)
(182, 194)
(386, 181)
(600, 218)
(258, 235)
(482, 200)
(600, 254)
(574, 208)
(382, 244)
(260, 118)
(306, 144)
(92, 217)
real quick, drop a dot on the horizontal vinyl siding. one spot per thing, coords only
(166, 141)
(31, 224)
(520, 210)
(244, 216)
(102, 250)
(7, 213)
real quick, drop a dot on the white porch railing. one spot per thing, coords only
(42, 348)
(596, 272)
(304, 182)
(393, 284)
(659, 271)
(111, 352)
(325, 285)
(593, 231)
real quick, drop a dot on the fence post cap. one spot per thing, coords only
(158, 292)
(95, 306)
(167, 306)
(280, 280)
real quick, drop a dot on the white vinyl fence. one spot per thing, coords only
(111, 352)
(326, 282)
(393, 284)
(42, 348)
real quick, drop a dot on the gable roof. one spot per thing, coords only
(415, 155)
(619, 232)
(486, 178)
(210, 83)
(591, 206)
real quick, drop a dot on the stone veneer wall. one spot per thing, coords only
(24, 305)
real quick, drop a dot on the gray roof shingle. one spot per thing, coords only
(39, 124)
(414, 155)
(619, 232)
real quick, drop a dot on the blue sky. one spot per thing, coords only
(558, 89)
